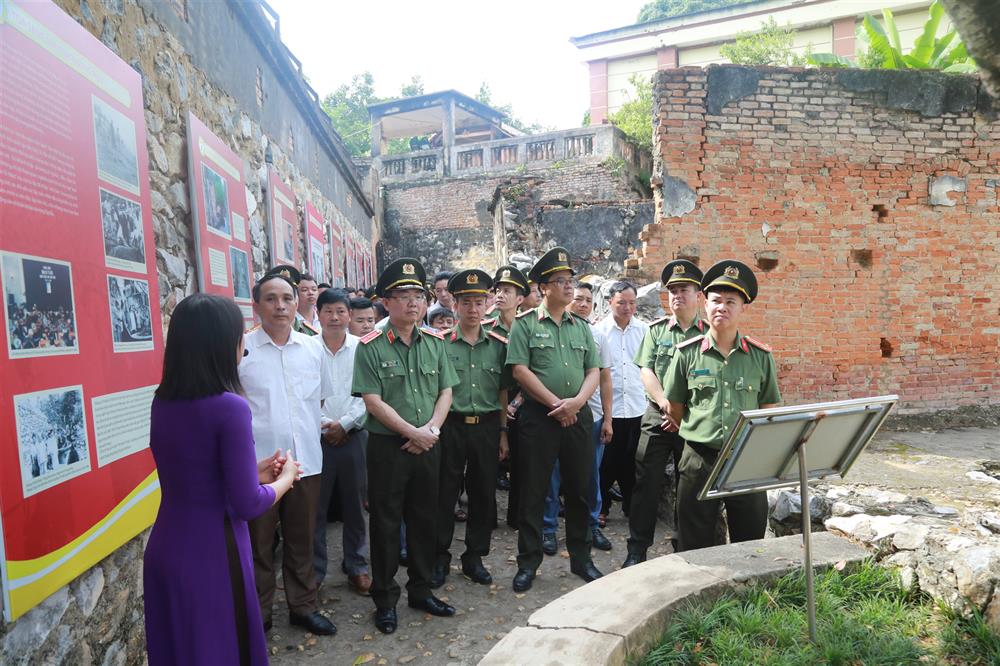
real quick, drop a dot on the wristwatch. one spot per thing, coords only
(435, 431)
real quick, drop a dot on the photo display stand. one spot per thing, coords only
(768, 449)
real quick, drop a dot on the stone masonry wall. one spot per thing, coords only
(448, 224)
(98, 618)
(866, 201)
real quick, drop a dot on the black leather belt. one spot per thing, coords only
(473, 419)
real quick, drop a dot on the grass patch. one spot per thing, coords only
(863, 617)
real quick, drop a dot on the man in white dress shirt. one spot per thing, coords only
(344, 442)
(622, 333)
(286, 376)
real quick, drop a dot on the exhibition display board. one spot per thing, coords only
(219, 207)
(352, 273)
(284, 221)
(316, 242)
(80, 331)
(338, 279)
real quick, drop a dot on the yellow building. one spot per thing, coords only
(822, 26)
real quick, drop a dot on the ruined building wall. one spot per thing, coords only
(866, 201)
(449, 224)
(202, 57)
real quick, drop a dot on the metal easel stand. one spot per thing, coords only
(807, 538)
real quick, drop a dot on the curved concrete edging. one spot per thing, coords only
(620, 617)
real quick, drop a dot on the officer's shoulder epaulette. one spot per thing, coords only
(489, 322)
(690, 341)
(758, 344)
(583, 319)
(661, 320)
(499, 337)
(251, 329)
(430, 331)
(309, 326)
(524, 313)
(370, 336)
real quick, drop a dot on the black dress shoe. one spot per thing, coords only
(599, 540)
(615, 494)
(503, 483)
(477, 573)
(404, 557)
(385, 620)
(314, 623)
(432, 605)
(633, 559)
(587, 572)
(549, 544)
(523, 579)
(439, 576)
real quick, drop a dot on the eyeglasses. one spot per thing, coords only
(562, 282)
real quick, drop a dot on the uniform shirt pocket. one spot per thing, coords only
(747, 390)
(309, 384)
(704, 390)
(542, 352)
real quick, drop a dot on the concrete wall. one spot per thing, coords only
(867, 202)
(223, 67)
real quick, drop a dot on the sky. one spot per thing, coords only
(519, 47)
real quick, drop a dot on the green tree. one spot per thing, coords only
(347, 107)
(879, 47)
(661, 9)
(635, 117)
(413, 88)
(771, 45)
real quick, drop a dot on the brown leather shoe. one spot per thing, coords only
(361, 583)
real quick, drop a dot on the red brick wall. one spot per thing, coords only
(820, 181)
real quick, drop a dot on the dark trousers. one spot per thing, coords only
(513, 458)
(470, 452)
(619, 462)
(545, 442)
(296, 512)
(344, 472)
(655, 449)
(697, 519)
(401, 486)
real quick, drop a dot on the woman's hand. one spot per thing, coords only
(291, 469)
(269, 468)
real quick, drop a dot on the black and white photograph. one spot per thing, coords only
(51, 437)
(131, 322)
(124, 242)
(289, 243)
(39, 307)
(114, 135)
(316, 265)
(216, 201)
(241, 274)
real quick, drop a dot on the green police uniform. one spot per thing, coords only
(559, 354)
(657, 446)
(410, 379)
(470, 438)
(715, 389)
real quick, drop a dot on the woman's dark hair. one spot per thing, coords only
(332, 297)
(200, 355)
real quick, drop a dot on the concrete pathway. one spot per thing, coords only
(933, 464)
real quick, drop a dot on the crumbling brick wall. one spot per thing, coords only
(866, 202)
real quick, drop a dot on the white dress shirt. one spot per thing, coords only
(602, 351)
(284, 386)
(341, 406)
(629, 399)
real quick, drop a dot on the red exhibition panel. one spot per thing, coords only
(81, 338)
(316, 242)
(337, 253)
(284, 221)
(219, 206)
(352, 273)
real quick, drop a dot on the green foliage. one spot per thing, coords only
(586, 119)
(771, 45)
(879, 47)
(661, 9)
(635, 117)
(863, 617)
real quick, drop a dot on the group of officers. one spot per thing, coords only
(402, 418)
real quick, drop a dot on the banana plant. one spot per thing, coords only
(878, 46)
